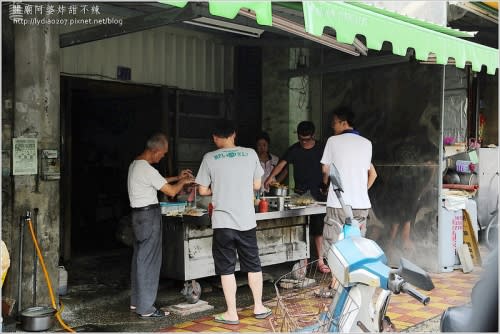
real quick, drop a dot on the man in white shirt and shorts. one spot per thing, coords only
(231, 174)
(351, 154)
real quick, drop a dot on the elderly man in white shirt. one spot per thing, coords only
(143, 183)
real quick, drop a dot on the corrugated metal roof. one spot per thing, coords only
(162, 56)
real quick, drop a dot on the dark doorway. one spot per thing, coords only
(106, 125)
(248, 84)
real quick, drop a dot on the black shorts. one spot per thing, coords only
(227, 242)
(316, 224)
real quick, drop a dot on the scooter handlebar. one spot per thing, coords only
(409, 289)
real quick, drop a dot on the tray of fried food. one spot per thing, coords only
(278, 185)
(302, 200)
(197, 212)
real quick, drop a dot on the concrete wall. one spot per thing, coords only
(299, 104)
(35, 115)
(287, 101)
(275, 97)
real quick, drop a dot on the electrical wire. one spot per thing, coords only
(470, 178)
(47, 280)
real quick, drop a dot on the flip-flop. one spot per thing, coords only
(220, 318)
(263, 315)
(324, 269)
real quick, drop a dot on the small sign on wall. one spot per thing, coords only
(24, 156)
(50, 165)
(123, 73)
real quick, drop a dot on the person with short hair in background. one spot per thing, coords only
(305, 156)
(267, 160)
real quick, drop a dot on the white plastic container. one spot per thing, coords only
(450, 237)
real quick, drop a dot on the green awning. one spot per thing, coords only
(377, 25)
(418, 22)
(229, 9)
(349, 20)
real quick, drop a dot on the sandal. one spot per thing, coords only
(264, 314)
(324, 268)
(220, 318)
(156, 314)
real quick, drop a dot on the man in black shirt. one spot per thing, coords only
(305, 155)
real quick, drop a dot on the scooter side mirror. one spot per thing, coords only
(335, 178)
(415, 275)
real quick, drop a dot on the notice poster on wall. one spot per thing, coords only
(24, 156)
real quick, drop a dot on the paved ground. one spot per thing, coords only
(98, 300)
(451, 289)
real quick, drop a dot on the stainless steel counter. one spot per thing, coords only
(282, 236)
(307, 211)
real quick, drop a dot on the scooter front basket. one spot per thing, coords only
(309, 300)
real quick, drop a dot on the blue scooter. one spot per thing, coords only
(358, 289)
(360, 265)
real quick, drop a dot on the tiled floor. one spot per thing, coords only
(450, 289)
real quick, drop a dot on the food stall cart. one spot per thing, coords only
(282, 236)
